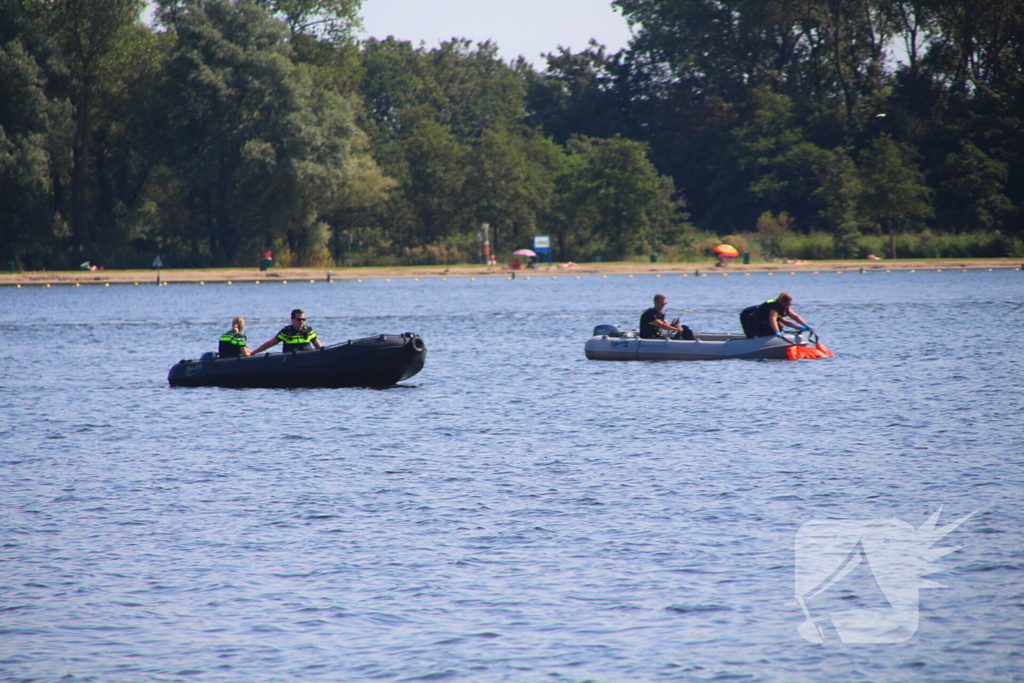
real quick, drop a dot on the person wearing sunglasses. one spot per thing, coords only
(296, 337)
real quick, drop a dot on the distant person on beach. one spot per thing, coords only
(296, 337)
(652, 321)
(768, 318)
(233, 342)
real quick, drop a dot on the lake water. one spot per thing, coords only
(515, 512)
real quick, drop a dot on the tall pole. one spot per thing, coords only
(158, 263)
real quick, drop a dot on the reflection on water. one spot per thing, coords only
(514, 512)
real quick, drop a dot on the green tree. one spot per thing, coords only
(846, 47)
(616, 203)
(978, 46)
(472, 89)
(756, 169)
(126, 149)
(838, 194)
(436, 118)
(364, 193)
(577, 95)
(393, 76)
(894, 187)
(432, 186)
(335, 20)
(258, 152)
(512, 185)
(34, 129)
(972, 198)
(708, 47)
(466, 88)
(914, 22)
(86, 33)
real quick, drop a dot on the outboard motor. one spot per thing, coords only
(607, 331)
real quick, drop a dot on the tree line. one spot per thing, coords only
(220, 128)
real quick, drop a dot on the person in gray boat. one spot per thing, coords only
(768, 318)
(652, 321)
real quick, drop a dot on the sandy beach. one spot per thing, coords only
(279, 275)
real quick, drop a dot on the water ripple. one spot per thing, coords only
(515, 512)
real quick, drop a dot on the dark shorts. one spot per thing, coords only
(754, 324)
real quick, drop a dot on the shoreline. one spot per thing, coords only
(284, 275)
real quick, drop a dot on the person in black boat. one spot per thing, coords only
(767, 319)
(233, 342)
(296, 337)
(652, 321)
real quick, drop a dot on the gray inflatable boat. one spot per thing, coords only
(611, 343)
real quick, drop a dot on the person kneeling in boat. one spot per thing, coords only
(652, 321)
(767, 319)
(233, 342)
(296, 337)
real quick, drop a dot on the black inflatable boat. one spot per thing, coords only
(379, 361)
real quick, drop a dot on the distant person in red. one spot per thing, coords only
(516, 265)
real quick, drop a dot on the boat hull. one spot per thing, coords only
(380, 361)
(705, 347)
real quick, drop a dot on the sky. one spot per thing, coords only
(529, 28)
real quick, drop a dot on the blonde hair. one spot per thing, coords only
(238, 325)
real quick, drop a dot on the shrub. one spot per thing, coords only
(926, 244)
(444, 253)
(813, 246)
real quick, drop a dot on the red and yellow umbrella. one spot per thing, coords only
(726, 250)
